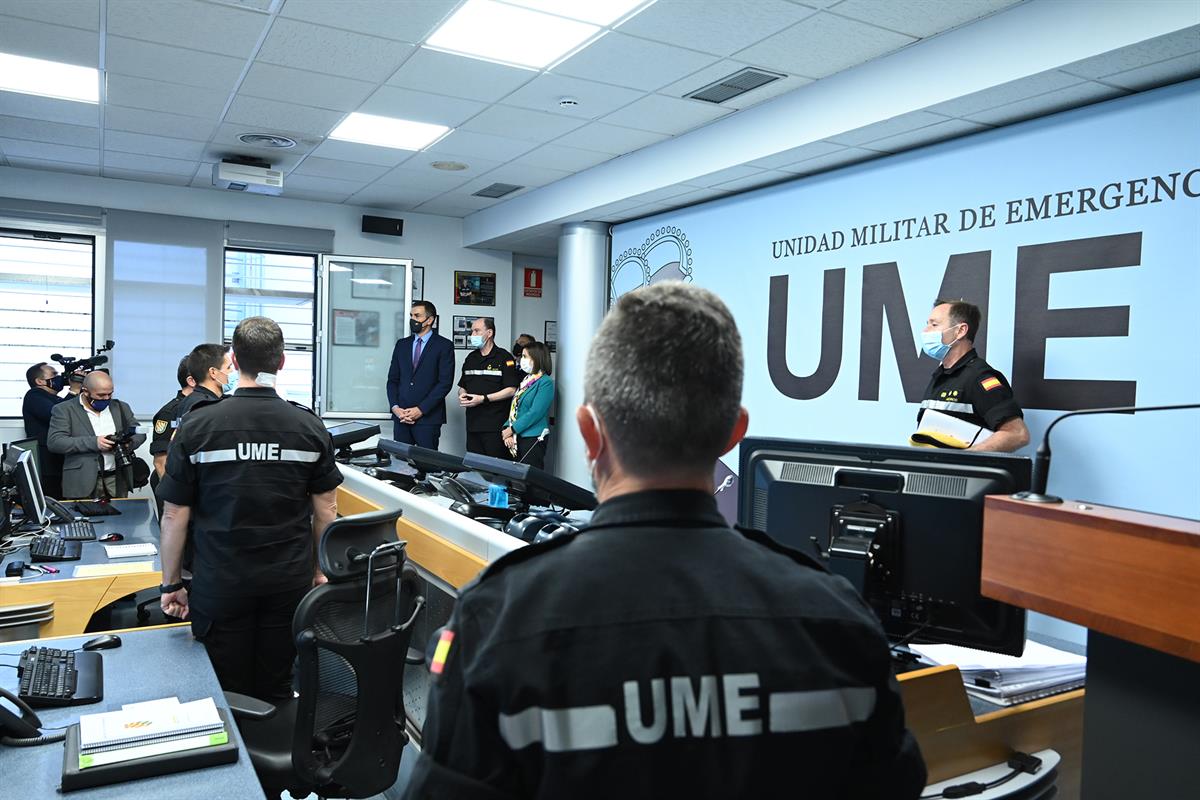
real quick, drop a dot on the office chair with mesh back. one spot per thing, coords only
(344, 733)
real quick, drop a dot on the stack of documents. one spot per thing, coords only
(128, 550)
(946, 430)
(1007, 680)
(152, 728)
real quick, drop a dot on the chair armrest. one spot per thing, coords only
(414, 656)
(244, 707)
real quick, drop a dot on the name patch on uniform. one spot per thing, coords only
(441, 652)
(160, 426)
(990, 383)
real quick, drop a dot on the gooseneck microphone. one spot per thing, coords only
(1041, 459)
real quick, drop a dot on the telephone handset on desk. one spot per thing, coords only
(22, 731)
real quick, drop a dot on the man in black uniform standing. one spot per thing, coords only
(964, 385)
(164, 424)
(257, 476)
(44, 385)
(660, 652)
(489, 380)
(211, 369)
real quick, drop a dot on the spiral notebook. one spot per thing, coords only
(147, 723)
(130, 550)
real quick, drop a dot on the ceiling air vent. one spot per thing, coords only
(731, 86)
(267, 140)
(497, 190)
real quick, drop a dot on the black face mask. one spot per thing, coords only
(517, 350)
(57, 383)
(415, 326)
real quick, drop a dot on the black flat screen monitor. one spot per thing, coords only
(422, 459)
(349, 433)
(903, 524)
(21, 465)
(534, 486)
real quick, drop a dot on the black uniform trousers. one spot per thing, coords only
(426, 436)
(532, 452)
(488, 443)
(249, 640)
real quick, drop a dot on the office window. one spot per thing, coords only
(281, 286)
(45, 305)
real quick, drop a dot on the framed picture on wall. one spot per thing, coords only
(462, 332)
(474, 288)
(378, 282)
(353, 328)
(418, 283)
(550, 337)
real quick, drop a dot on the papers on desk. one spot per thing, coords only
(130, 550)
(1007, 680)
(152, 728)
(102, 570)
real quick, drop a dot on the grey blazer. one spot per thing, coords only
(72, 435)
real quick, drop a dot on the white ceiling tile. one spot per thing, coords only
(755, 181)
(720, 27)
(311, 183)
(920, 18)
(1005, 93)
(636, 63)
(126, 142)
(844, 157)
(722, 69)
(520, 123)
(595, 99)
(390, 197)
(188, 23)
(394, 101)
(351, 55)
(484, 145)
(190, 101)
(73, 13)
(461, 198)
(319, 197)
(271, 114)
(476, 166)
(939, 132)
(145, 163)
(50, 152)
(410, 21)
(888, 127)
(283, 160)
(53, 166)
(422, 180)
(792, 155)
(555, 156)
(203, 177)
(822, 45)
(445, 209)
(304, 88)
(1170, 71)
(611, 139)
(146, 177)
(695, 196)
(458, 76)
(137, 120)
(49, 109)
(722, 176)
(519, 174)
(1071, 97)
(24, 37)
(361, 153)
(668, 115)
(228, 132)
(660, 194)
(341, 170)
(816, 3)
(1141, 54)
(174, 64)
(36, 130)
(259, 5)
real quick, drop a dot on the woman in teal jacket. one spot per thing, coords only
(530, 412)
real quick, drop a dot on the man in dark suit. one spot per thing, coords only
(81, 431)
(420, 377)
(44, 385)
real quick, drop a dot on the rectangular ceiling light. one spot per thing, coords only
(401, 134)
(597, 12)
(49, 79)
(510, 34)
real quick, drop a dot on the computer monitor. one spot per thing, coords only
(349, 433)
(531, 485)
(21, 465)
(422, 459)
(903, 524)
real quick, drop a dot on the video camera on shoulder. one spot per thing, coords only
(123, 449)
(83, 366)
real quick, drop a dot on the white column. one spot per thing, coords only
(583, 253)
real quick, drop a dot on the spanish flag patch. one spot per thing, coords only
(441, 652)
(510, 363)
(990, 383)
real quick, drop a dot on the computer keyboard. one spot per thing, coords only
(52, 548)
(51, 677)
(75, 531)
(89, 509)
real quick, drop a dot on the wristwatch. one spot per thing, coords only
(167, 588)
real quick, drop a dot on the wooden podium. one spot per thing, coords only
(1133, 579)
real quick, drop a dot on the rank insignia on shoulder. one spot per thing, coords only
(160, 426)
(441, 652)
(990, 383)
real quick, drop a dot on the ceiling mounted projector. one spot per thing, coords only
(255, 177)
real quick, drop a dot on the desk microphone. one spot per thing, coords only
(1041, 460)
(540, 439)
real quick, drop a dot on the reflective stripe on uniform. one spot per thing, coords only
(824, 708)
(561, 729)
(213, 456)
(942, 405)
(303, 456)
(491, 373)
(254, 451)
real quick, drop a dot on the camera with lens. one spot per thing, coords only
(123, 449)
(83, 366)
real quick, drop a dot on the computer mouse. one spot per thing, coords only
(105, 642)
(110, 537)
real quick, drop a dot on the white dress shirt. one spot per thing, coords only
(104, 425)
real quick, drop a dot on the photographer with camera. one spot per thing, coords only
(97, 462)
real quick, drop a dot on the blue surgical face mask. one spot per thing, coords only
(476, 341)
(231, 382)
(932, 344)
(98, 405)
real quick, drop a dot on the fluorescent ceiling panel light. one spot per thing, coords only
(509, 34)
(371, 281)
(597, 12)
(402, 134)
(49, 79)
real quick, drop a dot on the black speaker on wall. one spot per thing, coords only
(384, 225)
